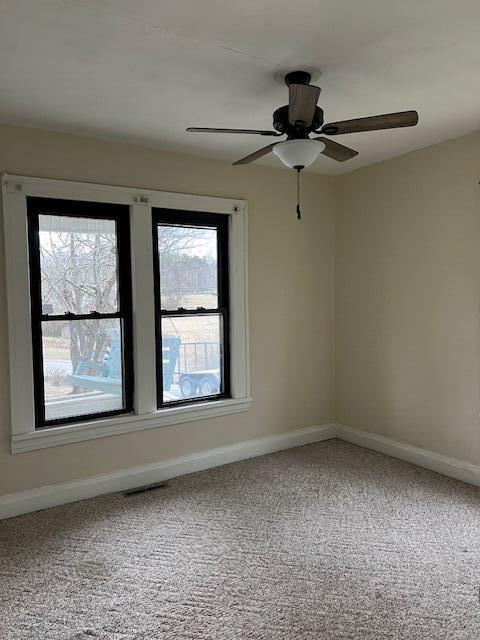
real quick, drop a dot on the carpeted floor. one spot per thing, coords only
(327, 541)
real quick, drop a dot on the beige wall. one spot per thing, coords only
(407, 271)
(407, 298)
(291, 300)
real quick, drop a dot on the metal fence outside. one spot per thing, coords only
(197, 356)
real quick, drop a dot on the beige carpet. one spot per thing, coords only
(327, 541)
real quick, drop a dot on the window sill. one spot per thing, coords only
(67, 434)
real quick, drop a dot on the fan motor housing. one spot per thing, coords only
(281, 123)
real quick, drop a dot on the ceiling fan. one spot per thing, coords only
(301, 117)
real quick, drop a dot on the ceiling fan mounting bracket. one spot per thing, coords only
(298, 77)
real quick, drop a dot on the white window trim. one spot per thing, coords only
(15, 190)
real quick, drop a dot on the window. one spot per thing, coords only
(113, 328)
(81, 310)
(192, 306)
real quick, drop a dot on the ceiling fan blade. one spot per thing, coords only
(336, 151)
(372, 123)
(302, 100)
(215, 130)
(256, 154)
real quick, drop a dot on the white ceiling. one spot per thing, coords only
(143, 70)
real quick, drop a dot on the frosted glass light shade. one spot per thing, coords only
(298, 153)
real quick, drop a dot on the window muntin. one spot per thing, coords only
(80, 285)
(192, 306)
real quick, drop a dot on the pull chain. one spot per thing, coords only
(299, 215)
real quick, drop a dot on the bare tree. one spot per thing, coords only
(79, 275)
(184, 267)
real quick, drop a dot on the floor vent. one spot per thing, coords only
(146, 487)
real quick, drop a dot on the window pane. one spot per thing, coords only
(78, 261)
(82, 363)
(192, 357)
(188, 267)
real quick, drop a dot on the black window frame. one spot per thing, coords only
(219, 221)
(120, 214)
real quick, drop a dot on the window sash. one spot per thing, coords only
(164, 217)
(37, 206)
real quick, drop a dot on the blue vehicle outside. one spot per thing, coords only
(199, 383)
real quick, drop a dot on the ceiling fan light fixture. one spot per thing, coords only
(298, 153)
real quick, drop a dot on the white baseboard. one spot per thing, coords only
(53, 495)
(422, 457)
